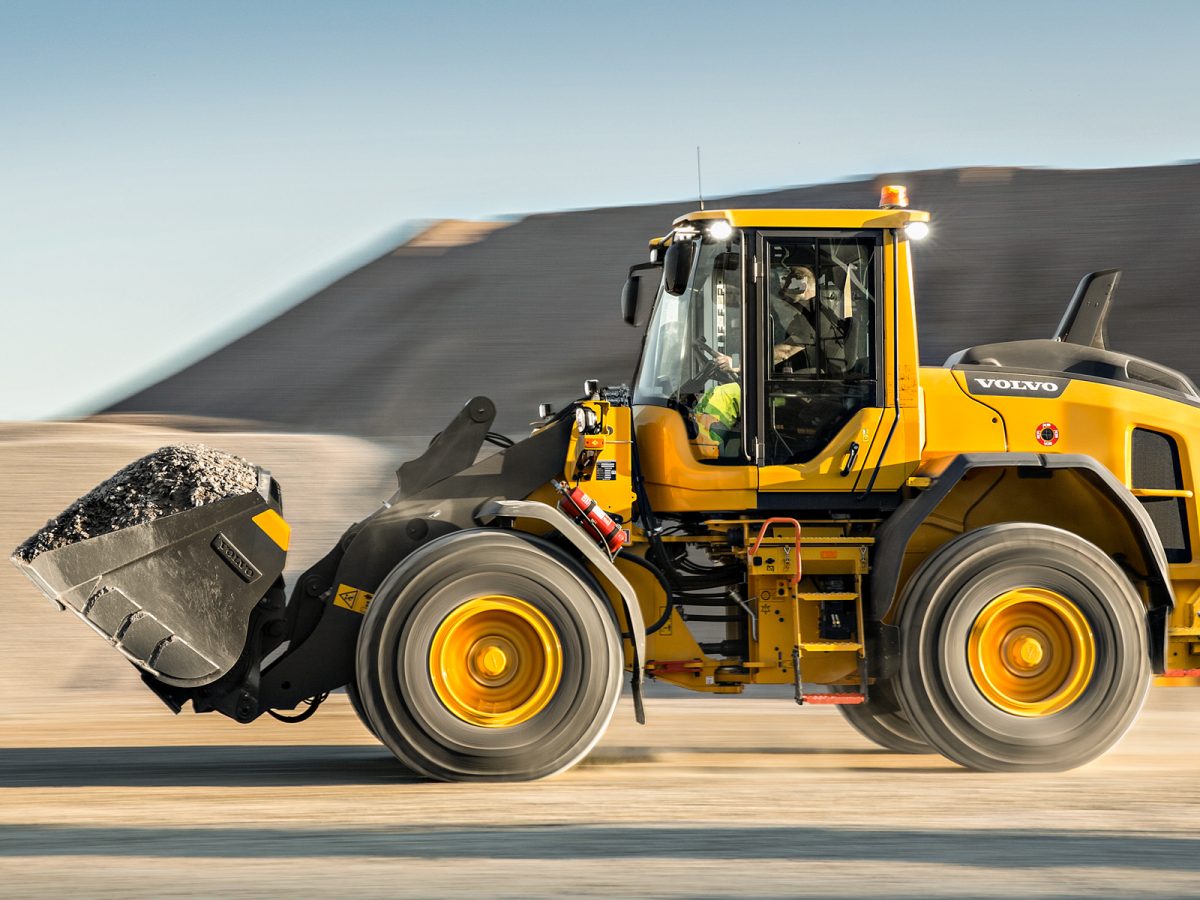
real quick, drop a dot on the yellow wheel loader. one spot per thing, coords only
(990, 559)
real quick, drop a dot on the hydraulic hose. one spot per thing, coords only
(311, 705)
(658, 575)
(718, 577)
(669, 576)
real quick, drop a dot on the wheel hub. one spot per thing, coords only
(495, 661)
(1024, 652)
(1031, 652)
(491, 660)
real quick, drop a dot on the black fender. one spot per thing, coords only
(590, 550)
(893, 535)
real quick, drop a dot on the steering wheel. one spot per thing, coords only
(712, 368)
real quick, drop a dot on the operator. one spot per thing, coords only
(793, 319)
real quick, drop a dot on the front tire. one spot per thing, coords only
(1023, 648)
(357, 705)
(486, 658)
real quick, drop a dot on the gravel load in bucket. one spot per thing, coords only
(170, 480)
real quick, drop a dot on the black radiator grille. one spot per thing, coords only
(1155, 465)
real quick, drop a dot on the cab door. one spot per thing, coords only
(829, 416)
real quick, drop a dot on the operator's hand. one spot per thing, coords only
(725, 363)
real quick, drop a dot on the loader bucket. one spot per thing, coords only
(174, 595)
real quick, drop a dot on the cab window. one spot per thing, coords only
(818, 320)
(692, 357)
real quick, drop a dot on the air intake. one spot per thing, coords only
(1155, 466)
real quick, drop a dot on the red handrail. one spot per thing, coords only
(780, 520)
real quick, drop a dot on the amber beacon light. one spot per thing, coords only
(893, 196)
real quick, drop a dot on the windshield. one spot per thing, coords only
(692, 359)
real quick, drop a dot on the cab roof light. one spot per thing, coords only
(916, 230)
(893, 196)
(720, 230)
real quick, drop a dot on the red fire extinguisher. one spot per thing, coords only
(586, 512)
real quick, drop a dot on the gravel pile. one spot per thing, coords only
(169, 480)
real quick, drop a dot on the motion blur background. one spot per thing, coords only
(174, 174)
(308, 232)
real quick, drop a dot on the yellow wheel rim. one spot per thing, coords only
(1031, 652)
(495, 661)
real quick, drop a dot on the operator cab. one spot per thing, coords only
(777, 345)
(766, 331)
(812, 318)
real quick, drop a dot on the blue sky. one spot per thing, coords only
(171, 173)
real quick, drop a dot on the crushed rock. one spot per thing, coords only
(169, 480)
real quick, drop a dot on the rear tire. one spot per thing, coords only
(882, 722)
(1023, 648)
(485, 658)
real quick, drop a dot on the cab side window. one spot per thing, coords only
(819, 324)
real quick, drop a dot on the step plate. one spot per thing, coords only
(834, 699)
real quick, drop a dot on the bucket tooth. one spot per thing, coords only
(110, 611)
(142, 637)
(177, 656)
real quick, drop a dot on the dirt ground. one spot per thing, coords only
(103, 793)
(734, 797)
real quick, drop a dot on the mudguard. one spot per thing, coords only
(894, 534)
(528, 509)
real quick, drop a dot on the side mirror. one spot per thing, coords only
(678, 266)
(629, 299)
(632, 295)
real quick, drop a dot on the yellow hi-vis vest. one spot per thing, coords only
(717, 414)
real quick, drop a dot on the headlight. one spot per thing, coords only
(720, 230)
(585, 420)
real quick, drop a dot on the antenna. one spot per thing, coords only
(699, 183)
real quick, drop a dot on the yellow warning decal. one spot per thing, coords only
(352, 599)
(276, 528)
